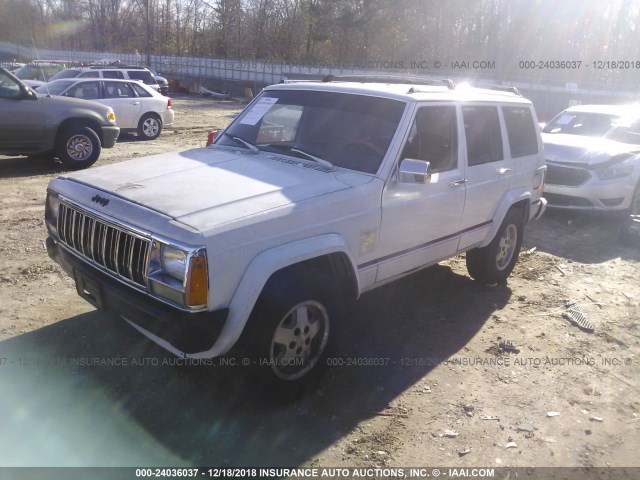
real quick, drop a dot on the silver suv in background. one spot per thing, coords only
(593, 158)
(140, 74)
(71, 129)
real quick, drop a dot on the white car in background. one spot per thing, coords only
(593, 158)
(138, 108)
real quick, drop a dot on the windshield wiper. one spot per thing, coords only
(295, 149)
(246, 143)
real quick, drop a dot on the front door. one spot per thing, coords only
(421, 222)
(22, 126)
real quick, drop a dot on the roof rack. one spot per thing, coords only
(505, 88)
(117, 66)
(402, 79)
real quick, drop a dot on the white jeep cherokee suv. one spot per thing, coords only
(315, 194)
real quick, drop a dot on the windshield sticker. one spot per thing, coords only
(258, 111)
(565, 120)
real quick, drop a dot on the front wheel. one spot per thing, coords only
(494, 263)
(78, 147)
(291, 330)
(149, 127)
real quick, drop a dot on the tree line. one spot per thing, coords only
(388, 33)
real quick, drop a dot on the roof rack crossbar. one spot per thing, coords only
(505, 88)
(401, 79)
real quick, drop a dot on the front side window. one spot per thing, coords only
(482, 131)
(118, 90)
(349, 131)
(521, 131)
(434, 137)
(9, 88)
(90, 74)
(84, 90)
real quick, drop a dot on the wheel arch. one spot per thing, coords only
(80, 122)
(317, 254)
(514, 199)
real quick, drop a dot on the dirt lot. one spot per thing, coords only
(420, 357)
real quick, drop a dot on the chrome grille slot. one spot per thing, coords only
(120, 251)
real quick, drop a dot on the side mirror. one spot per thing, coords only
(27, 94)
(414, 171)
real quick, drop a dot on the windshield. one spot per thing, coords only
(350, 131)
(55, 87)
(38, 72)
(581, 123)
(614, 127)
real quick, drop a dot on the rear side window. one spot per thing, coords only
(521, 131)
(482, 130)
(140, 90)
(112, 74)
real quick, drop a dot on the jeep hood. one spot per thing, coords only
(206, 187)
(578, 149)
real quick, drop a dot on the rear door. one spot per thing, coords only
(487, 170)
(125, 103)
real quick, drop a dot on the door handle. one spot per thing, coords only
(457, 183)
(135, 103)
(502, 171)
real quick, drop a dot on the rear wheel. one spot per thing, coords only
(78, 147)
(494, 263)
(149, 127)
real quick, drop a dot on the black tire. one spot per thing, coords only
(78, 147)
(149, 126)
(494, 263)
(290, 332)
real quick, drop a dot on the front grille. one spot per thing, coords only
(123, 253)
(572, 177)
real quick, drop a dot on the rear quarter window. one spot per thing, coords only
(143, 75)
(521, 131)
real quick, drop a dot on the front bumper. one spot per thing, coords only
(584, 190)
(537, 209)
(181, 333)
(109, 136)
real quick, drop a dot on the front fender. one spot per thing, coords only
(258, 273)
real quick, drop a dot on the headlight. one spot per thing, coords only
(173, 262)
(111, 116)
(52, 209)
(179, 274)
(618, 167)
